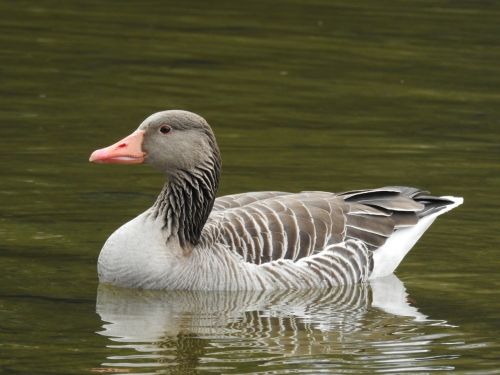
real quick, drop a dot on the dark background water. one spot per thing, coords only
(303, 95)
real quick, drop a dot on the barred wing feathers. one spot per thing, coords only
(267, 226)
(243, 199)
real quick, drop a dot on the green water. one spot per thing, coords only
(303, 95)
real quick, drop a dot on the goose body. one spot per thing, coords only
(260, 240)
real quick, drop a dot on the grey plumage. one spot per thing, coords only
(272, 228)
(256, 240)
(267, 226)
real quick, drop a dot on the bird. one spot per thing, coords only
(189, 239)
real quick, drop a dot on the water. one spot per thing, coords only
(324, 95)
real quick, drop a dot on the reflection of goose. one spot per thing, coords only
(264, 240)
(218, 330)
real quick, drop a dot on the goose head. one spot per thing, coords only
(172, 141)
(182, 145)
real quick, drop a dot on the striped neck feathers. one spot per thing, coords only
(186, 201)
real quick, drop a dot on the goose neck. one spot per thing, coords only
(185, 203)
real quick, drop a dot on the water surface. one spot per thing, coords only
(322, 95)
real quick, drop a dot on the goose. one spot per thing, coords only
(191, 240)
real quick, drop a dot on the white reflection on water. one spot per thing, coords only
(360, 328)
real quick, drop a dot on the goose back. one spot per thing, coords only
(267, 226)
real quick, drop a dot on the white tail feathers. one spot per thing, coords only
(388, 256)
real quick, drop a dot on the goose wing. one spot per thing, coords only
(294, 226)
(238, 200)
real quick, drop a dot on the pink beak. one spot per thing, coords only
(126, 151)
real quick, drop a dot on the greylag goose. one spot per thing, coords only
(191, 240)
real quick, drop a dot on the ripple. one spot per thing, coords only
(348, 329)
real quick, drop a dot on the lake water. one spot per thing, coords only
(303, 95)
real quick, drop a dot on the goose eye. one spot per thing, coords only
(164, 129)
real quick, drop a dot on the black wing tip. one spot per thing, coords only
(438, 204)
